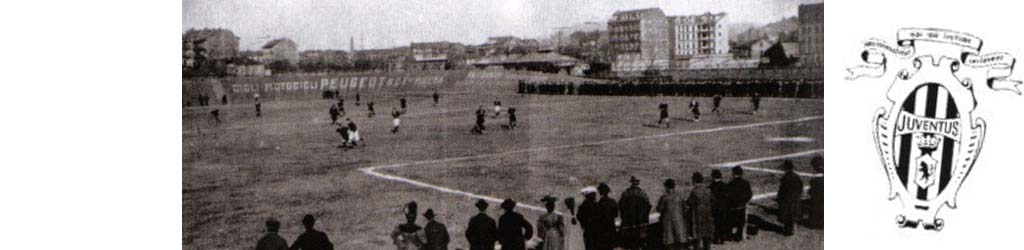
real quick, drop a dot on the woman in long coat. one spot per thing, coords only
(699, 208)
(551, 227)
(671, 205)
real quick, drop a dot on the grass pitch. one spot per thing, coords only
(286, 163)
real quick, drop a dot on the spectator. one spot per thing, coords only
(720, 195)
(739, 195)
(551, 226)
(409, 236)
(791, 188)
(671, 205)
(634, 209)
(272, 241)
(607, 210)
(586, 214)
(482, 231)
(436, 232)
(311, 239)
(699, 207)
(817, 194)
(513, 229)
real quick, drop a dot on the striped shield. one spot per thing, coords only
(926, 140)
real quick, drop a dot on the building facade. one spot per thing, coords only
(280, 49)
(640, 41)
(811, 30)
(699, 35)
(436, 55)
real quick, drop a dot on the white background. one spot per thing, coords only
(90, 149)
(858, 214)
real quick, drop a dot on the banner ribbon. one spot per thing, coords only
(877, 54)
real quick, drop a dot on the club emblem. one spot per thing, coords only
(926, 135)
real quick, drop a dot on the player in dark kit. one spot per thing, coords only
(401, 102)
(258, 113)
(481, 114)
(695, 109)
(718, 102)
(756, 100)
(511, 117)
(334, 114)
(357, 99)
(436, 97)
(216, 115)
(663, 108)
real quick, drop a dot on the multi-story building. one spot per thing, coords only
(812, 34)
(699, 35)
(640, 41)
(281, 49)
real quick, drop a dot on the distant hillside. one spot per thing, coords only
(744, 32)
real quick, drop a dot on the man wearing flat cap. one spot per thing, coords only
(634, 208)
(311, 239)
(513, 229)
(409, 236)
(272, 241)
(482, 231)
(436, 232)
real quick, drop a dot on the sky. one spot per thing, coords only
(328, 24)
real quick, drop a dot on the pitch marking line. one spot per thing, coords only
(772, 158)
(372, 171)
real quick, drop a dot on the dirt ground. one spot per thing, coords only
(240, 172)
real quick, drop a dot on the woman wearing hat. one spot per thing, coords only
(551, 227)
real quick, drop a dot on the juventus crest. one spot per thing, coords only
(926, 135)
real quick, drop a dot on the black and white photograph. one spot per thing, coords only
(502, 124)
(511, 124)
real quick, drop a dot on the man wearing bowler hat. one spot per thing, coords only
(513, 229)
(482, 231)
(436, 232)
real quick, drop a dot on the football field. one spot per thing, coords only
(240, 172)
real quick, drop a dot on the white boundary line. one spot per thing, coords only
(772, 158)
(372, 171)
